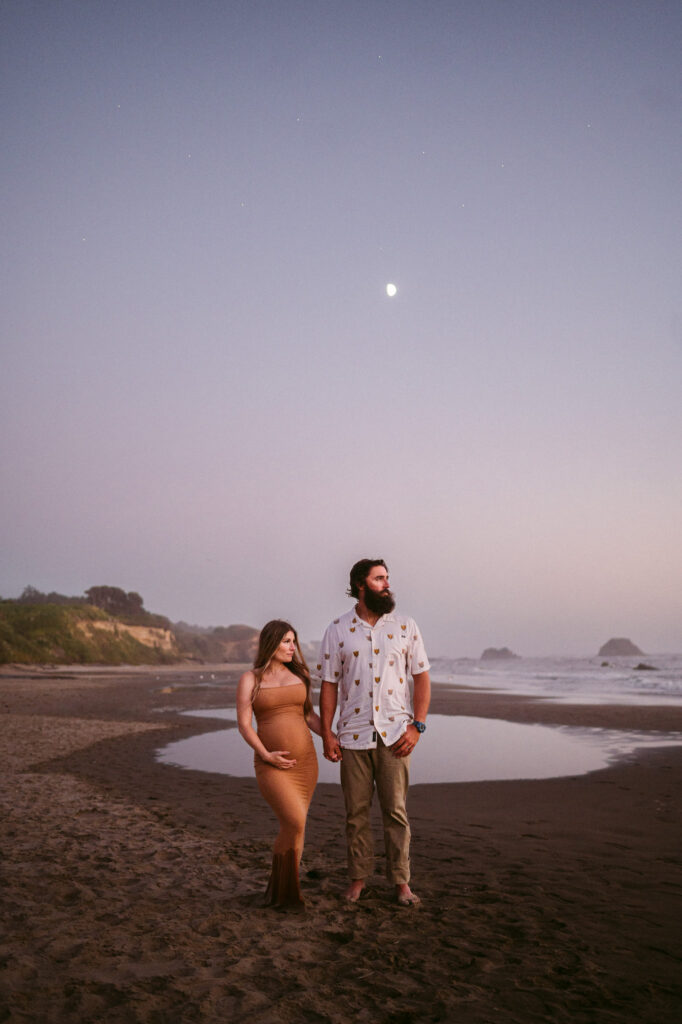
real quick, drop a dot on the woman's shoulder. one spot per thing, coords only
(247, 680)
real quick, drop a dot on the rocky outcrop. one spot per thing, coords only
(618, 647)
(498, 654)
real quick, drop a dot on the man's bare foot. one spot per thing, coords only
(352, 893)
(405, 897)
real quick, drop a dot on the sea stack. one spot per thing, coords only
(498, 654)
(617, 647)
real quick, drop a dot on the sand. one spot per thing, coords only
(130, 890)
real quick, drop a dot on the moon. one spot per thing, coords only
(391, 290)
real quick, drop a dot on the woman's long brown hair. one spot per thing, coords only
(271, 636)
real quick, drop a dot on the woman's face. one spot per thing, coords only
(287, 647)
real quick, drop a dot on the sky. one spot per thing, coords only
(206, 393)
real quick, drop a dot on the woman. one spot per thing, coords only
(277, 690)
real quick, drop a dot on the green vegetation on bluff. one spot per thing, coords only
(62, 634)
(112, 627)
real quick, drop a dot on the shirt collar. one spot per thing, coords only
(387, 617)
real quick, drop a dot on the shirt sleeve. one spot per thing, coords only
(417, 658)
(329, 662)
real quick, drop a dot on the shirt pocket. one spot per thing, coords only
(396, 650)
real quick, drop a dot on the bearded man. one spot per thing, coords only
(366, 660)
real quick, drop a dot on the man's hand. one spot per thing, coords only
(332, 747)
(407, 742)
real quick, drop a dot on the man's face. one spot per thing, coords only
(376, 591)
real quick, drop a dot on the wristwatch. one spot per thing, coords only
(419, 726)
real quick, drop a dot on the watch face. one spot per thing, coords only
(419, 726)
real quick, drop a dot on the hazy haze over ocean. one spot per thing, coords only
(208, 397)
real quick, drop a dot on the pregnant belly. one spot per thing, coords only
(287, 733)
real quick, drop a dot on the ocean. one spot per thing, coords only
(576, 680)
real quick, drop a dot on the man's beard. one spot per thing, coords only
(379, 604)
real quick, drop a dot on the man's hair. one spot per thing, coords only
(360, 572)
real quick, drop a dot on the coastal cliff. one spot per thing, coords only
(110, 627)
(82, 635)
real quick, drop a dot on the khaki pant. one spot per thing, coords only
(361, 770)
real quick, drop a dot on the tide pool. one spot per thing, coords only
(453, 749)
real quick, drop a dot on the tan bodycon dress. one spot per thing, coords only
(281, 726)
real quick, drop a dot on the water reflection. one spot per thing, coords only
(454, 749)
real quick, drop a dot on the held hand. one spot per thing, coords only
(407, 742)
(332, 748)
(281, 759)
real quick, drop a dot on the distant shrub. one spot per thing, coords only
(30, 595)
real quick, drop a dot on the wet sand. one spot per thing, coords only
(130, 890)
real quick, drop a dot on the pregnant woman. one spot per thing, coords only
(277, 691)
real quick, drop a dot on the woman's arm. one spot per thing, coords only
(278, 758)
(314, 722)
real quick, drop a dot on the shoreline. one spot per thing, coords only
(132, 888)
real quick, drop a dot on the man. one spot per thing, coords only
(366, 659)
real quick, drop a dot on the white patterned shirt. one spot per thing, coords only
(372, 666)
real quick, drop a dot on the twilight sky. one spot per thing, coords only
(207, 395)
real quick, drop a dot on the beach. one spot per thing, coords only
(131, 889)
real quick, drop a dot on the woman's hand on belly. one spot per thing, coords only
(280, 759)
